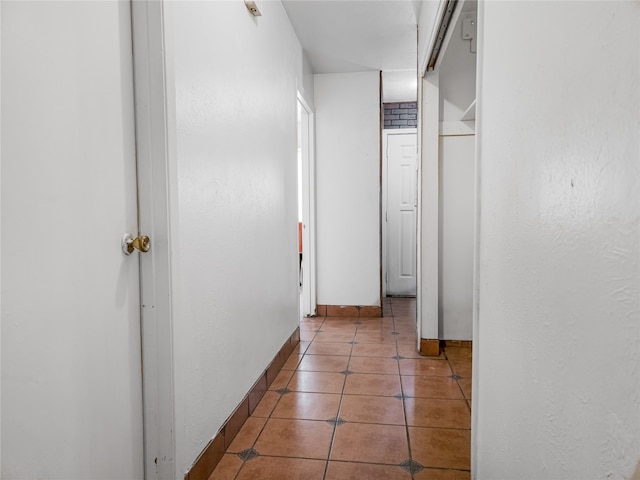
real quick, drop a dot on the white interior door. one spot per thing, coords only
(401, 155)
(71, 359)
(307, 200)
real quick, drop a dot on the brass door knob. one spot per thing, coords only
(129, 244)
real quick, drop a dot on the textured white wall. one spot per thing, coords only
(348, 188)
(234, 207)
(557, 392)
(457, 197)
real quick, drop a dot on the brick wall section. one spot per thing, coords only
(400, 115)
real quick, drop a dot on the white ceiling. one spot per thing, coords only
(356, 35)
(399, 86)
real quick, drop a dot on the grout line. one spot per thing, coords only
(404, 403)
(441, 428)
(304, 352)
(358, 462)
(253, 444)
(239, 469)
(457, 382)
(335, 426)
(446, 469)
(276, 404)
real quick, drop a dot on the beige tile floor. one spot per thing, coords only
(356, 401)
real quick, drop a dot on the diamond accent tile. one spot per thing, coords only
(337, 421)
(411, 466)
(371, 414)
(248, 454)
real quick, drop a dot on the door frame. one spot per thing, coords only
(385, 187)
(151, 115)
(309, 300)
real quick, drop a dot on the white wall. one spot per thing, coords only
(399, 86)
(457, 74)
(305, 86)
(348, 188)
(446, 257)
(457, 196)
(557, 385)
(0, 244)
(428, 206)
(457, 163)
(234, 205)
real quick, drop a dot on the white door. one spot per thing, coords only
(306, 200)
(401, 213)
(71, 359)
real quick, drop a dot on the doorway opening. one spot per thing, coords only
(448, 267)
(400, 200)
(306, 210)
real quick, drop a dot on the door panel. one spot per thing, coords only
(401, 214)
(407, 239)
(71, 368)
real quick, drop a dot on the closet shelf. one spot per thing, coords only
(470, 112)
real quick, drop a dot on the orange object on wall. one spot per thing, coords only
(299, 237)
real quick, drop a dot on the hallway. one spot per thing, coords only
(356, 401)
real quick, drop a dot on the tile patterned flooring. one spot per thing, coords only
(356, 401)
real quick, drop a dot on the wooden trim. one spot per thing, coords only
(208, 459)
(235, 422)
(343, 311)
(429, 347)
(457, 343)
(370, 312)
(257, 392)
(350, 311)
(214, 451)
